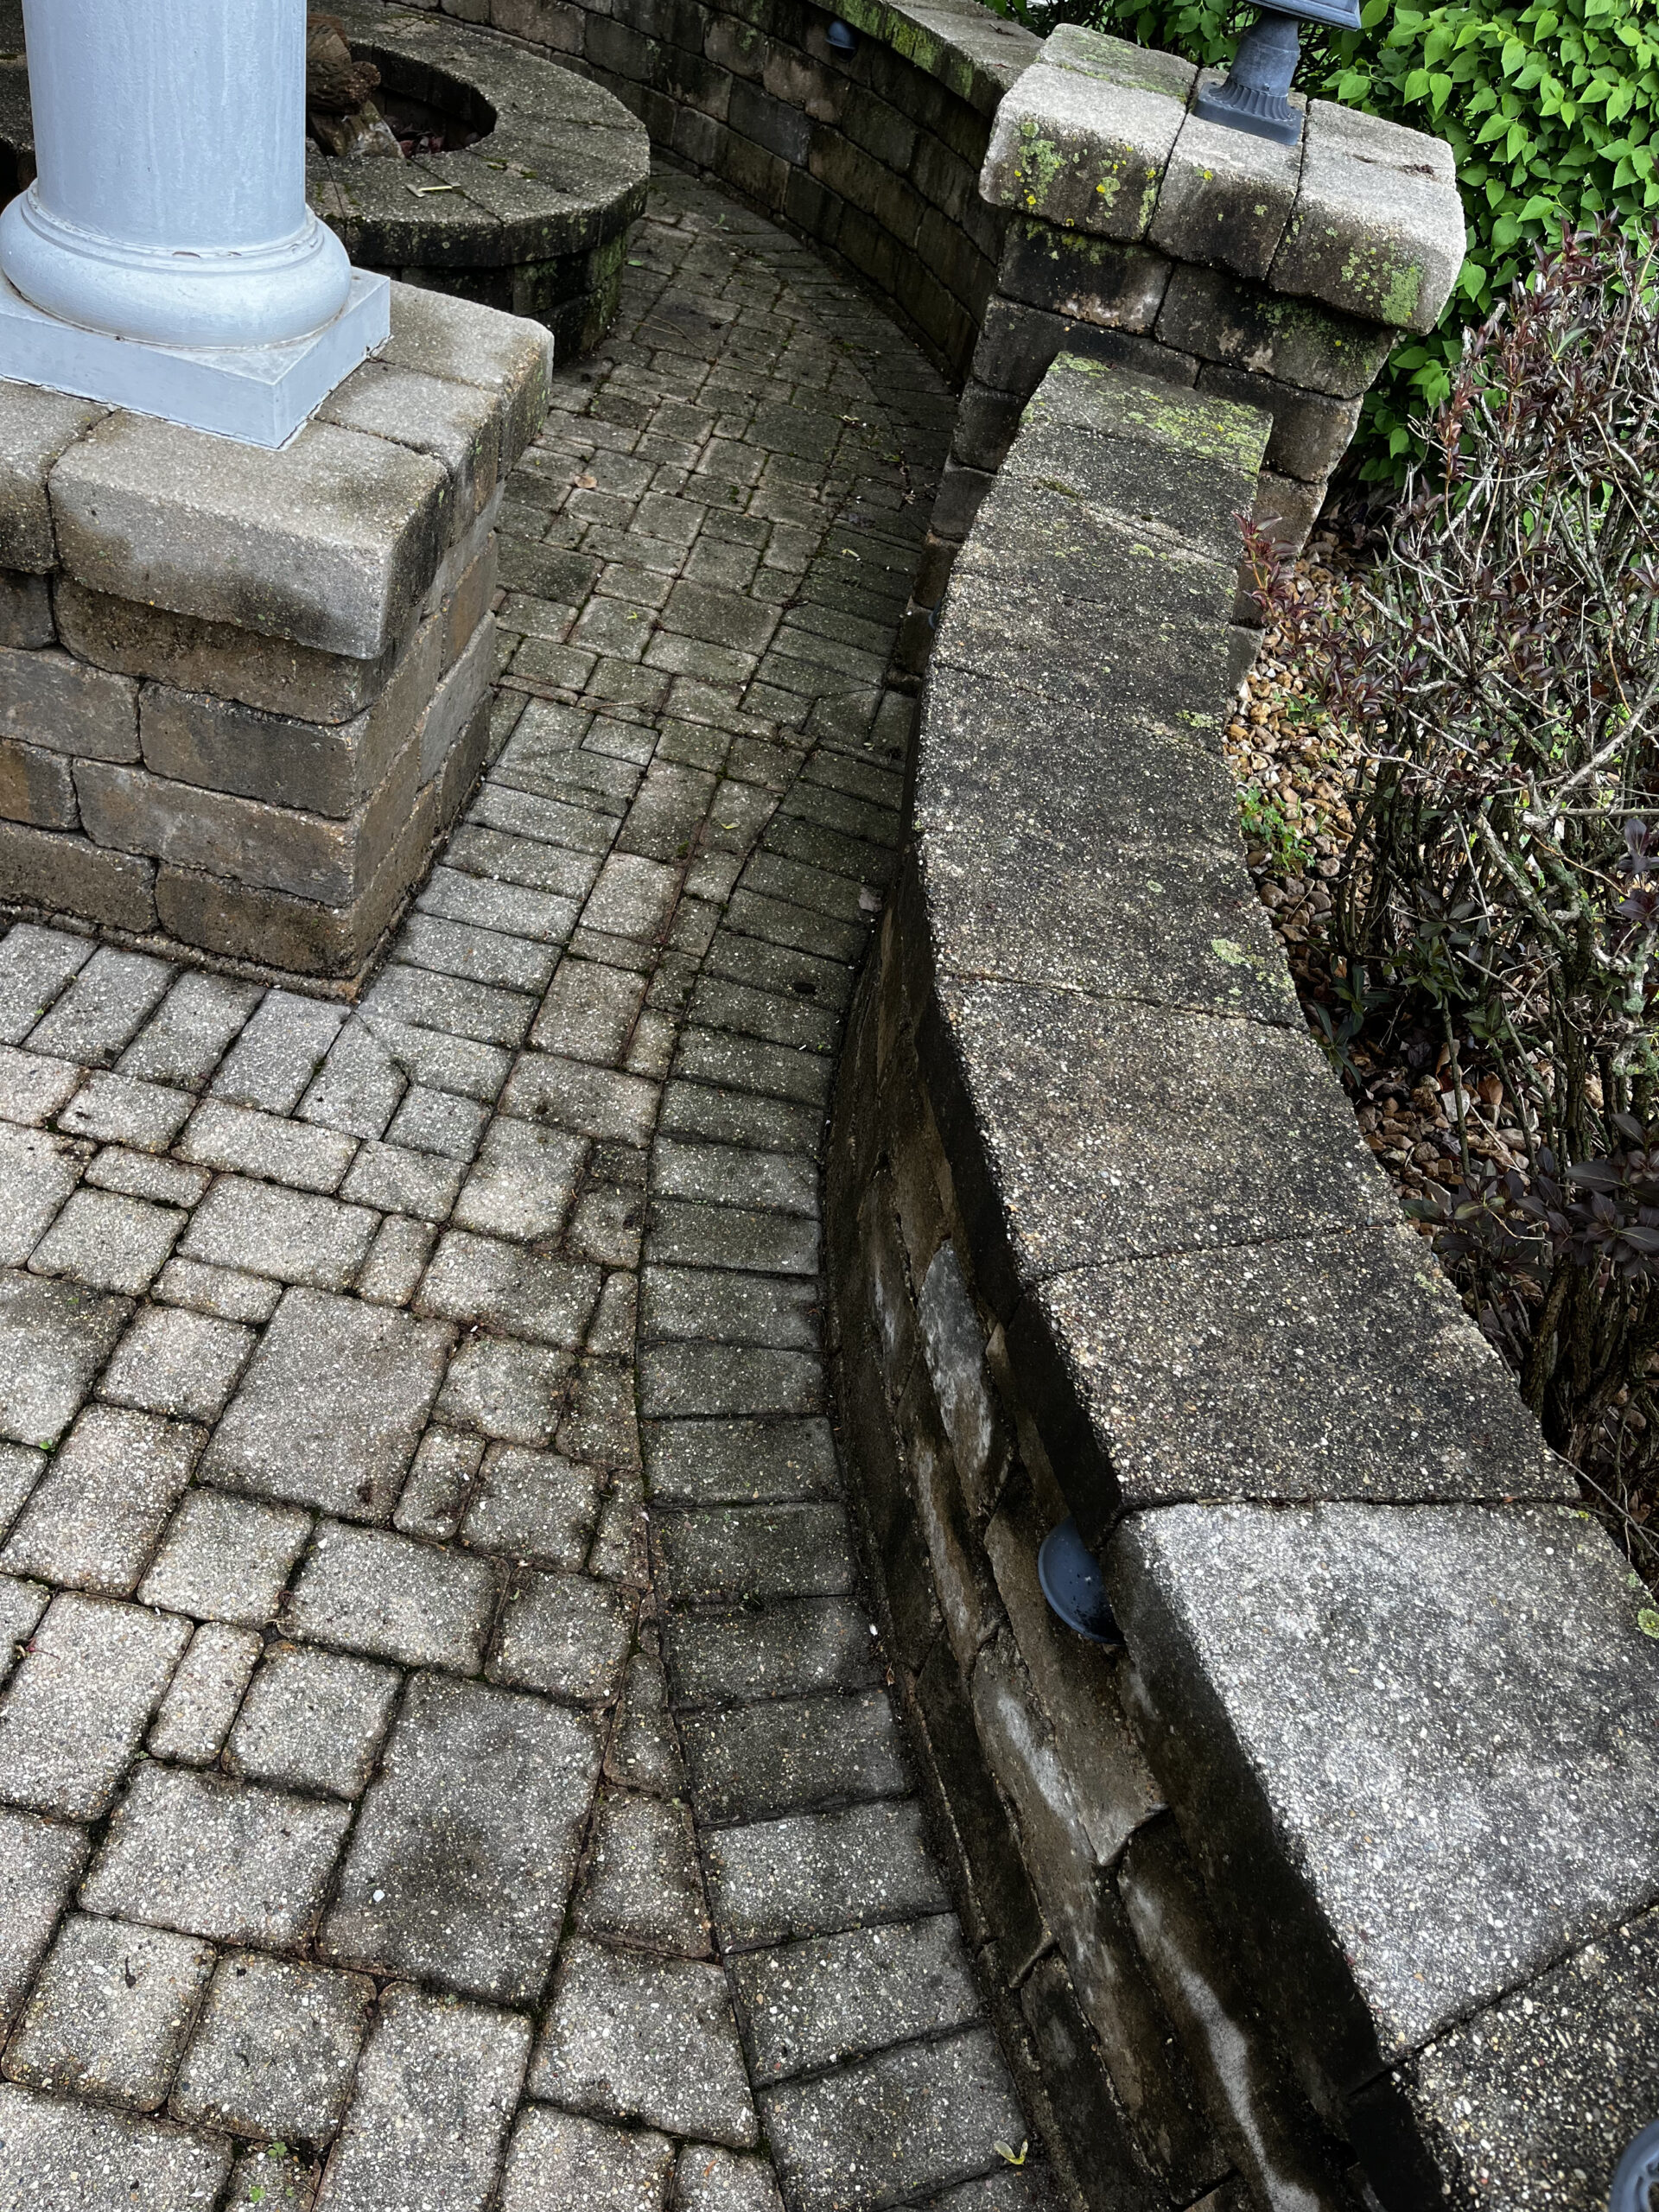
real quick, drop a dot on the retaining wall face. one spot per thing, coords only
(1350, 1853)
(242, 693)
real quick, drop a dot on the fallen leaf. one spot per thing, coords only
(1013, 2159)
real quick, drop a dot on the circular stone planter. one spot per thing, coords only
(531, 216)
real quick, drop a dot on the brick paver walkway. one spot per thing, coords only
(445, 1749)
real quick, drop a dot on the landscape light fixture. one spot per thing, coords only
(1073, 1585)
(1635, 2184)
(1256, 96)
(844, 39)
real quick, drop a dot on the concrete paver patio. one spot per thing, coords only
(447, 1759)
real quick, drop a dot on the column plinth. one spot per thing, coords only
(165, 257)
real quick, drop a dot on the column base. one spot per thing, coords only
(259, 395)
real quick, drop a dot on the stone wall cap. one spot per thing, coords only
(1521, 2092)
(1442, 1721)
(330, 542)
(1084, 151)
(1340, 1366)
(1226, 195)
(975, 53)
(1378, 229)
(1092, 395)
(460, 342)
(37, 427)
(1364, 216)
(1119, 62)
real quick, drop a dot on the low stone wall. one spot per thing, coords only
(242, 692)
(1010, 196)
(1338, 1882)
(875, 155)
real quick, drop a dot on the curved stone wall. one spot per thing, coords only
(1359, 1837)
(874, 154)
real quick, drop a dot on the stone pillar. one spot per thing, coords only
(165, 258)
(1140, 236)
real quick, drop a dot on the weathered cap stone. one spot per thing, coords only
(1529, 2103)
(1226, 194)
(1415, 1750)
(1340, 1366)
(1085, 144)
(331, 543)
(1378, 229)
(37, 427)
(460, 342)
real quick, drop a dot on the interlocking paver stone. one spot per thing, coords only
(111, 2012)
(43, 1862)
(313, 1720)
(523, 1181)
(434, 2095)
(381, 1265)
(32, 1088)
(902, 2124)
(781, 1649)
(463, 1857)
(559, 2158)
(642, 1881)
(371, 1591)
(480, 1279)
(225, 1558)
(190, 1032)
(105, 1005)
(53, 1341)
(37, 1173)
(275, 2048)
(217, 1858)
(815, 1872)
(332, 1406)
(109, 1242)
(34, 965)
(567, 1634)
(292, 1234)
(532, 1506)
(632, 2038)
(435, 1496)
(76, 1710)
(124, 2161)
(203, 1696)
(509, 1389)
(114, 1109)
(172, 1361)
(812, 2003)
(738, 1462)
(93, 1518)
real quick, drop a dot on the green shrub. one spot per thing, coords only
(1549, 110)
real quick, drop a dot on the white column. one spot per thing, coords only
(170, 213)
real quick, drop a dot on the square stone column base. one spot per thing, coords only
(261, 394)
(242, 692)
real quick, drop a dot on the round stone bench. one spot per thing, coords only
(531, 216)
